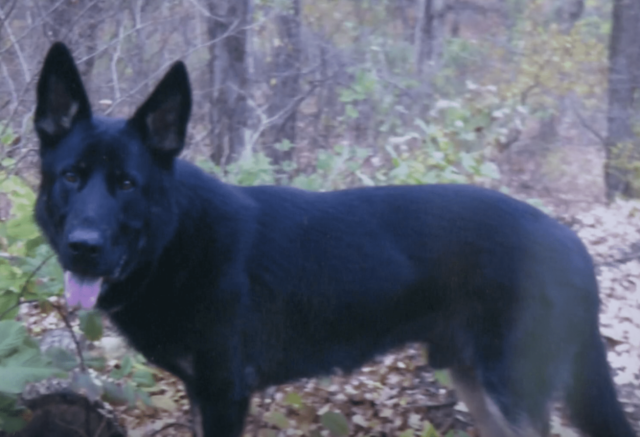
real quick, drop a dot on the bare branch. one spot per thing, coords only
(114, 63)
(16, 47)
(586, 125)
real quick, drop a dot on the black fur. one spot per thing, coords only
(233, 288)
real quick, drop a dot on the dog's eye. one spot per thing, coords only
(125, 184)
(70, 177)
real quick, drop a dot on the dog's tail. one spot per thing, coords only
(591, 395)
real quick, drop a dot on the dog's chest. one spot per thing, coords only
(158, 338)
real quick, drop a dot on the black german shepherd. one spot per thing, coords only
(234, 289)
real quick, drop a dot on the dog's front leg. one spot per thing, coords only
(218, 394)
(217, 414)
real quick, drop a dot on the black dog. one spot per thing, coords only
(233, 289)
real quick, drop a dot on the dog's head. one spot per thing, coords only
(105, 200)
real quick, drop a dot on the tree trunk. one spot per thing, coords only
(286, 83)
(227, 29)
(623, 148)
(401, 10)
(424, 34)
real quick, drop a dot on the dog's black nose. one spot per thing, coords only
(85, 242)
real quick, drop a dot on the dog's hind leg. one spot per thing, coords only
(489, 418)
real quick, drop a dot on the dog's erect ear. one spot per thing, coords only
(162, 119)
(62, 100)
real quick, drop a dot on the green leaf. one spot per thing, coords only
(145, 398)
(278, 419)
(429, 430)
(366, 180)
(7, 402)
(130, 394)
(325, 161)
(468, 161)
(407, 433)
(26, 365)
(91, 324)
(83, 383)
(284, 145)
(6, 162)
(336, 423)
(125, 368)
(294, 399)
(351, 112)
(442, 376)
(33, 244)
(347, 95)
(143, 378)
(12, 335)
(11, 423)
(8, 299)
(489, 169)
(113, 394)
(95, 362)
(22, 228)
(62, 358)
(422, 125)
(126, 364)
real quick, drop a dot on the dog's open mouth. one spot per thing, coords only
(81, 290)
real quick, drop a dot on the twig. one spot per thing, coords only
(24, 286)
(169, 426)
(445, 404)
(12, 88)
(154, 76)
(206, 12)
(8, 121)
(587, 126)
(6, 14)
(64, 318)
(14, 167)
(114, 63)
(103, 423)
(23, 302)
(16, 46)
(71, 427)
(265, 121)
(622, 260)
(78, 18)
(29, 31)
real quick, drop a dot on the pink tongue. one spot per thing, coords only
(81, 290)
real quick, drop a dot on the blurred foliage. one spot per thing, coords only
(25, 270)
(549, 62)
(20, 362)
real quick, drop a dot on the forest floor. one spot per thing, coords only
(395, 394)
